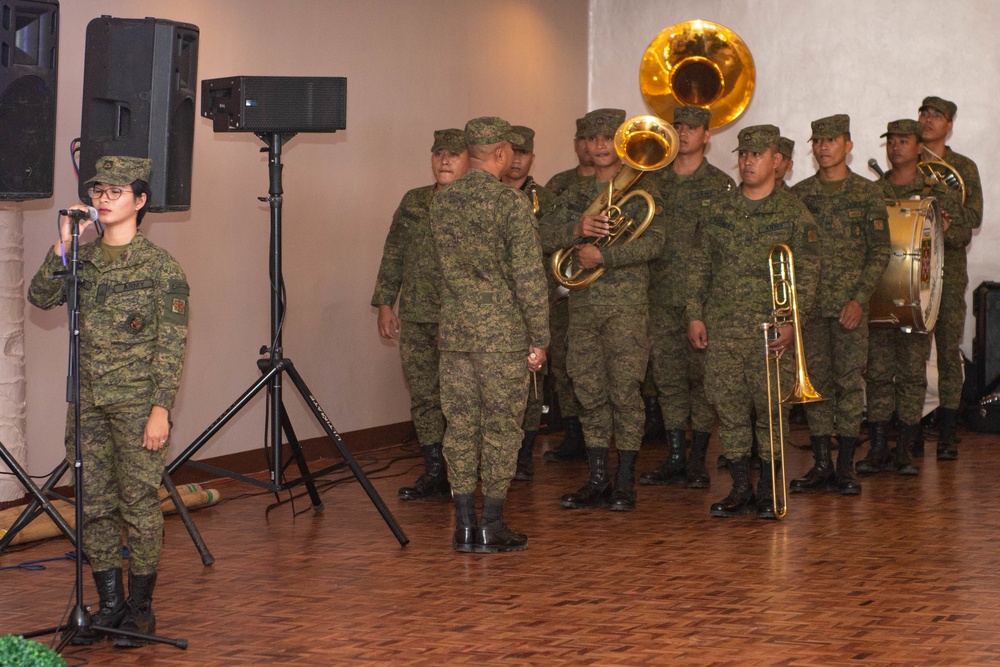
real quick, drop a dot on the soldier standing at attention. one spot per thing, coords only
(609, 319)
(687, 188)
(851, 212)
(896, 378)
(133, 330)
(519, 178)
(730, 296)
(559, 183)
(785, 149)
(937, 117)
(494, 318)
(409, 271)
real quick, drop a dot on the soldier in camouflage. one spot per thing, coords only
(519, 177)
(937, 117)
(559, 183)
(494, 318)
(896, 378)
(609, 319)
(409, 272)
(133, 328)
(786, 148)
(851, 211)
(730, 297)
(688, 187)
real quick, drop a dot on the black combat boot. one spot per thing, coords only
(697, 473)
(848, 483)
(740, 498)
(918, 442)
(596, 491)
(821, 474)
(465, 522)
(653, 430)
(670, 471)
(765, 490)
(433, 481)
(111, 592)
(901, 455)
(572, 447)
(525, 465)
(139, 616)
(493, 535)
(947, 450)
(878, 456)
(623, 498)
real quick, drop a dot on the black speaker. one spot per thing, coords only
(139, 85)
(29, 42)
(986, 343)
(286, 104)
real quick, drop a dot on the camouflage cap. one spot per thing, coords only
(944, 106)
(692, 116)
(121, 170)
(527, 143)
(580, 124)
(904, 126)
(830, 127)
(786, 146)
(451, 139)
(757, 138)
(487, 130)
(602, 121)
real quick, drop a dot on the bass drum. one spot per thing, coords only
(909, 294)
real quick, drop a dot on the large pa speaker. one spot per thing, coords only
(986, 343)
(29, 42)
(285, 104)
(140, 79)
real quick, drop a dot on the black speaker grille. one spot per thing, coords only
(986, 345)
(275, 103)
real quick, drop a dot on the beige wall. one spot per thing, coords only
(412, 67)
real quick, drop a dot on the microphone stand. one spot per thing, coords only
(79, 620)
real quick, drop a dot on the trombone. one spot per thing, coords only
(785, 310)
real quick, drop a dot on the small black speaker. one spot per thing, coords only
(29, 42)
(986, 343)
(286, 104)
(139, 85)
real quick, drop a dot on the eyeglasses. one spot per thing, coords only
(932, 113)
(112, 193)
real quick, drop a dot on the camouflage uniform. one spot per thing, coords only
(133, 329)
(493, 305)
(562, 181)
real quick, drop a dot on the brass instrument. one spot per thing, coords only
(942, 172)
(785, 310)
(644, 143)
(698, 63)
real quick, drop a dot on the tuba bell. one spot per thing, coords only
(644, 143)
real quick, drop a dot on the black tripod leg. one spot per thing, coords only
(327, 425)
(206, 556)
(39, 499)
(300, 460)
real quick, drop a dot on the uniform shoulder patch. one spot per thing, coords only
(879, 225)
(812, 236)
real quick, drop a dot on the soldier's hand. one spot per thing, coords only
(66, 227)
(698, 334)
(536, 358)
(786, 336)
(850, 315)
(388, 325)
(588, 256)
(946, 221)
(592, 225)
(157, 430)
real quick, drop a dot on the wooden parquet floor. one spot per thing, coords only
(908, 573)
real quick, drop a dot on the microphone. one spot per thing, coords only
(90, 214)
(873, 165)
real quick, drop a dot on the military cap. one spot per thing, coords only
(904, 126)
(757, 138)
(527, 143)
(830, 127)
(487, 130)
(692, 116)
(944, 106)
(121, 170)
(602, 121)
(786, 146)
(451, 139)
(580, 124)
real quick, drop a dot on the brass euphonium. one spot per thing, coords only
(644, 143)
(942, 172)
(785, 310)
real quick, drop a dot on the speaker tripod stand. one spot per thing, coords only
(273, 367)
